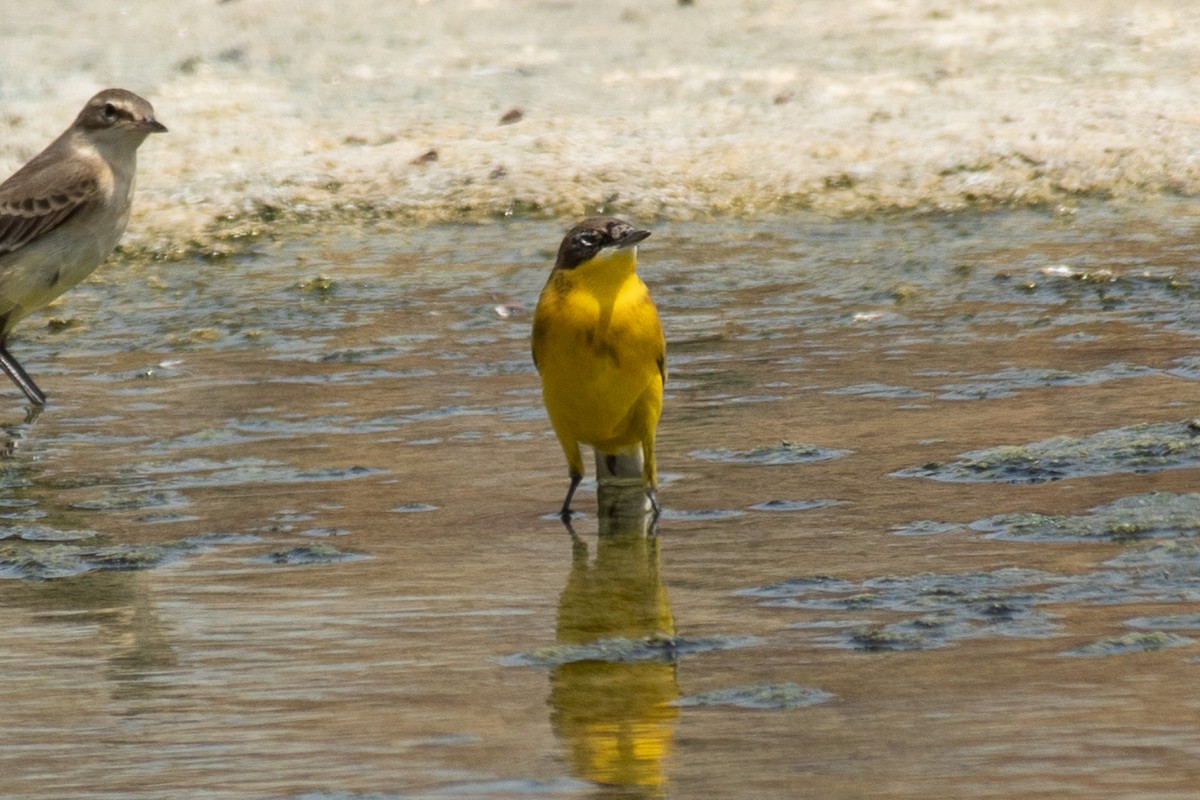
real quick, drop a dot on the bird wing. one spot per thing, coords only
(34, 202)
(537, 340)
(655, 340)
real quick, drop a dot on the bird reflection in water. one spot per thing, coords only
(129, 635)
(615, 714)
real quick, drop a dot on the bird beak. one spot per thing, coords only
(630, 239)
(151, 125)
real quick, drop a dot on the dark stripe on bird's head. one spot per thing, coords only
(585, 240)
(119, 107)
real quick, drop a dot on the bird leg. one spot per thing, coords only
(565, 513)
(20, 377)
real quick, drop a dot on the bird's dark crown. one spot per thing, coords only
(585, 240)
(112, 107)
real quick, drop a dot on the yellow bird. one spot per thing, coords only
(599, 347)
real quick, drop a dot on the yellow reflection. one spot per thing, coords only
(616, 717)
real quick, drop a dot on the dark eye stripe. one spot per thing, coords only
(589, 237)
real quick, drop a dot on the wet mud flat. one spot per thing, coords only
(469, 109)
(929, 527)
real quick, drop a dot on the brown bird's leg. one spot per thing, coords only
(20, 377)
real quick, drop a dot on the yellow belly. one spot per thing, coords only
(601, 364)
(598, 404)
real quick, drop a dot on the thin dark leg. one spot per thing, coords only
(21, 378)
(652, 494)
(565, 513)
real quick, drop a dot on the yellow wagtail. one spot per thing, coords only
(64, 212)
(599, 347)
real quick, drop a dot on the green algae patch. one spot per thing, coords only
(1175, 556)
(701, 514)
(61, 560)
(794, 587)
(140, 556)
(926, 611)
(771, 455)
(320, 553)
(42, 563)
(624, 650)
(926, 527)
(793, 505)
(1138, 642)
(759, 695)
(936, 610)
(133, 500)
(413, 508)
(1010, 382)
(927, 591)
(922, 634)
(45, 533)
(1144, 516)
(40, 553)
(1181, 622)
(878, 391)
(1141, 448)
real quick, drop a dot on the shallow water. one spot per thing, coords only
(283, 530)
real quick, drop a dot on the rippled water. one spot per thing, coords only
(283, 530)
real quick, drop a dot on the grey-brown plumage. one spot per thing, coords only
(63, 213)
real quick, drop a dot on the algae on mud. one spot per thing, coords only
(938, 610)
(783, 453)
(1127, 519)
(766, 696)
(1140, 642)
(49, 561)
(1141, 448)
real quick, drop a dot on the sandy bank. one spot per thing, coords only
(384, 109)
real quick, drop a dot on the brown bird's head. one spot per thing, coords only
(118, 114)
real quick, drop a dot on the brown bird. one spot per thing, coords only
(63, 213)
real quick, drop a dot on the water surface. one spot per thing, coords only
(283, 530)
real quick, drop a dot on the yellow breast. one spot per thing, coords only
(599, 347)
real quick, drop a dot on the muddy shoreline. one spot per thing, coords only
(475, 110)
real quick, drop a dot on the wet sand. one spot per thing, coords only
(368, 110)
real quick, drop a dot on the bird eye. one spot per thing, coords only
(589, 240)
(110, 111)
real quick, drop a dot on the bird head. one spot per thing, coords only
(601, 243)
(118, 116)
